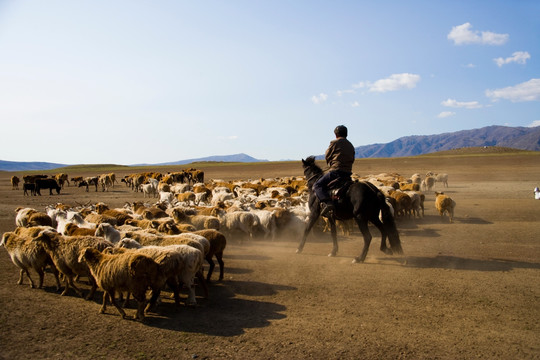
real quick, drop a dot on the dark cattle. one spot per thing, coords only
(32, 178)
(47, 184)
(29, 187)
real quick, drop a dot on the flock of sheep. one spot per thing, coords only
(164, 241)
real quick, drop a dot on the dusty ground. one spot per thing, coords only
(468, 290)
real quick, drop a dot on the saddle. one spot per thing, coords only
(338, 188)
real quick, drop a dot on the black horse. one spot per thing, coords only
(363, 202)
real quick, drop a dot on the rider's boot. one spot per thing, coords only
(327, 208)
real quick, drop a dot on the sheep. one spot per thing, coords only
(443, 178)
(15, 182)
(186, 197)
(443, 203)
(428, 183)
(267, 222)
(23, 214)
(200, 222)
(148, 189)
(403, 204)
(73, 230)
(218, 242)
(148, 212)
(417, 202)
(240, 221)
(192, 261)
(64, 252)
(108, 232)
(416, 179)
(120, 215)
(166, 197)
(129, 271)
(536, 193)
(409, 187)
(26, 253)
(171, 265)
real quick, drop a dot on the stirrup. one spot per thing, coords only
(327, 209)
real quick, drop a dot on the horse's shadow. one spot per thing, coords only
(223, 314)
(459, 263)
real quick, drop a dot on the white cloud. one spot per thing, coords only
(519, 57)
(462, 35)
(319, 99)
(461, 104)
(341, 92)
(535, 123)
(360, 85)
(446, 114)
(231, 137)
(527, 91)
(355, 104)
(395, 82)
(469, 66)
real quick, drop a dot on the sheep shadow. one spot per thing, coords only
(459, 263)
(223, 314)
(425, 232)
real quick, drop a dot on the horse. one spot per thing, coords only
(362, 202)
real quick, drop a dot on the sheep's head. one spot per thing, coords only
(101, 207)
(89, 255)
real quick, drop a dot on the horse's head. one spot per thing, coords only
(311, 170)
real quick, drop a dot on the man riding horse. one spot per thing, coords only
(340, 158)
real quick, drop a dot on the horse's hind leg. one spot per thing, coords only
(362, 224)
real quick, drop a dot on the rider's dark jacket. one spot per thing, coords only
(340, 155)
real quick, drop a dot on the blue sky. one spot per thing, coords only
(130, 82)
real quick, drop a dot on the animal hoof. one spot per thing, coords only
(357, 261)
(298, 251)
(332, 254)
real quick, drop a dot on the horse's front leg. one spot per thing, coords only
(333, 231)
(311, 222)
(363, 225)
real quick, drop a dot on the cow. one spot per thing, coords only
(47, 184)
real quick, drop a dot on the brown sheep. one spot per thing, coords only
(129, 271)
(428, 183)
(218, 242)
(119, 215)
(25, 253)
(403, 204)
(409, 187)
(73, 230)
(443, 203)
(64, 252)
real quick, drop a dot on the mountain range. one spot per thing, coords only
(524, 138)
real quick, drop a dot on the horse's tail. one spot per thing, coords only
(389, 224)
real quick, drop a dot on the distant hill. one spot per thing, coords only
(28, 166)
(522, 138)
(216, 158)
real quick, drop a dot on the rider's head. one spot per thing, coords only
(340, 131)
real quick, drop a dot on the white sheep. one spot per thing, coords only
(240, 221)
(108, 232)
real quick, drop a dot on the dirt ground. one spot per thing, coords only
(465, 290)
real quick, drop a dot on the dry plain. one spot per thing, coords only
(465, 290)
